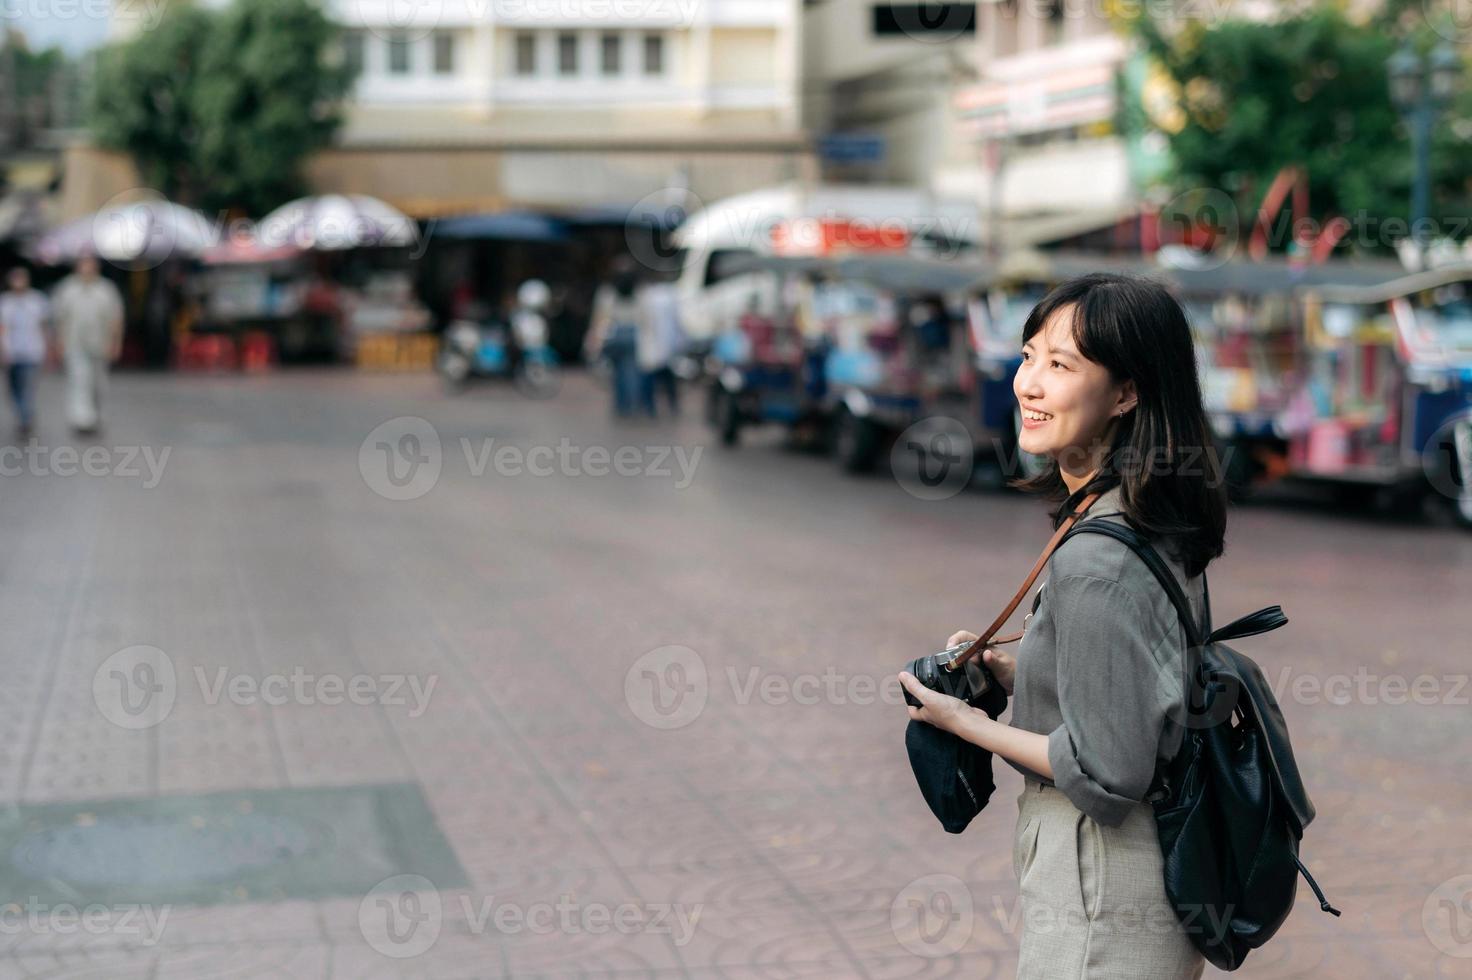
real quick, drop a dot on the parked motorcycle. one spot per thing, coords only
(493, 349)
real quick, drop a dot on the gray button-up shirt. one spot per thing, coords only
(1101, 669)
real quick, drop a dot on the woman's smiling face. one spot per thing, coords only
(1068, 402)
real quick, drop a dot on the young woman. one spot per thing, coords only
(1110, 395)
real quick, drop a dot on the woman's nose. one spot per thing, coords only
(1026, 383)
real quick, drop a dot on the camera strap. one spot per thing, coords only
(986, 639)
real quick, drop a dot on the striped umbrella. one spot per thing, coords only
(146, 231)
(332, 222)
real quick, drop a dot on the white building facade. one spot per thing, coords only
(462, 105)
(1042, 118)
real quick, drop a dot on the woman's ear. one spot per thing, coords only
(1128, 399)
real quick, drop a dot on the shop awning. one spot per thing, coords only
(521, 226)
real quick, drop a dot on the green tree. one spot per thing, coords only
(1307, 90)
(220, 108)
(34, 86)
(143, 100)
(266, 98)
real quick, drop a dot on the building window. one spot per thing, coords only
(654, 54)
(1053, 27)
(526, 53)
(924, 20)
(398, 55)
(612, 53)
(567, 54)
(352, 52)
(444, 53)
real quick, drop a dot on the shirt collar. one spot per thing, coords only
(1109, 503)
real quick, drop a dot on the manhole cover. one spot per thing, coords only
(239, 846)
(152, 851)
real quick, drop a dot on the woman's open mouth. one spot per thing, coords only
(1032, 419)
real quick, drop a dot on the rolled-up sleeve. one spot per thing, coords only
(1109, 696)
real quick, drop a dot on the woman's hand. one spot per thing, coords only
(941, 710)
(1002, 665)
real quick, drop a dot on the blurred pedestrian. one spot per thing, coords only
(89, 323)
(619, 317)
(23, 316)
(529, 317)
(662, 340)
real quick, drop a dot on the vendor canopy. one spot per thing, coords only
(334, 222)
(148, 230)
(518, 226)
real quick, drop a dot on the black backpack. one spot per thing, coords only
(1230, 808)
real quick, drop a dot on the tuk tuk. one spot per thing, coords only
(766, 363)
(1384, 399)
(1350, 374)
(852, 349)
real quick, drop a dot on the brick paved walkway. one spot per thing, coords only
(624, 730)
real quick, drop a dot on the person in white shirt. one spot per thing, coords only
(89, 321)
(620, 319)
(661, 340)
(23, 315)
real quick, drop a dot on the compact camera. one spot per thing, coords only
(970, 681)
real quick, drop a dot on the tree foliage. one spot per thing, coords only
(1308, 90)
(219, 108)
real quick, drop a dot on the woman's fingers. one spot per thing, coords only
(959, 637)
(922, 693)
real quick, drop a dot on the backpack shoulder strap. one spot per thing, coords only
(1154, 562)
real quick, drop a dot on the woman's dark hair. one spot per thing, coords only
(1162, 455)
(625, 276)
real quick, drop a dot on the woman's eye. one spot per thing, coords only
(1057, 364)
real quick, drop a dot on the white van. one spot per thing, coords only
(716, 287)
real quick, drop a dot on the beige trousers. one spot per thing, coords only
(1093, 897)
